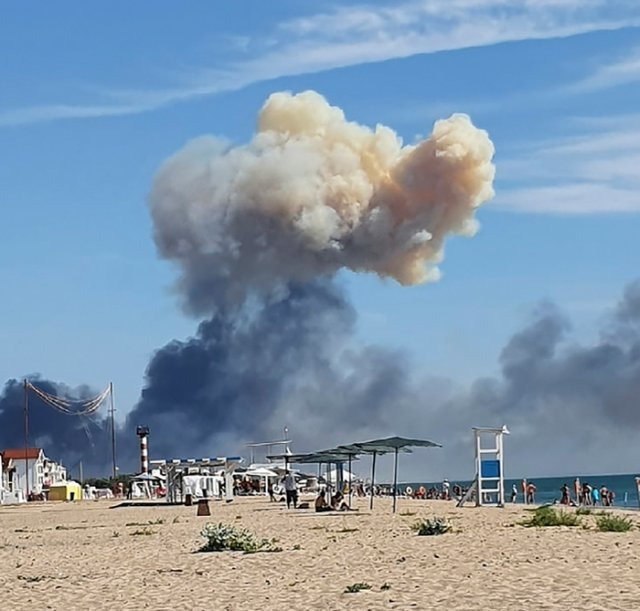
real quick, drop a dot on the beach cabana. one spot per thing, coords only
(385, 446)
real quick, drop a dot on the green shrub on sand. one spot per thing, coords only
(548, 516)
(429, 527)
(222, 537)
(610, 523)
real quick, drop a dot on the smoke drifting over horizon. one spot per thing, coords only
(313, 193)
(571, 408)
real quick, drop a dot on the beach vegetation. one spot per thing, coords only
(548, 516)
(357, 587)
(143, 531)
(429, 527)
(583, 511)
(407, 513)
(348, 530)
(223, 537)
(147, 523)
(611, 523)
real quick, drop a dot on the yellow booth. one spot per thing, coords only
(66, 491)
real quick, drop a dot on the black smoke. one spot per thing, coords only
(293, 361)
(66, 439)
(247, 373)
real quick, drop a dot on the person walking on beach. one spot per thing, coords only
(595, 493)
(514, 493)
(291, 490)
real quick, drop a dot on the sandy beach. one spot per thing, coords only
(90, 555)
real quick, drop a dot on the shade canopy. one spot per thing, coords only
(384, 446)
(314, 457)
(261, 472)
(391, 444)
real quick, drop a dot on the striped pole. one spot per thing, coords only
(143, 433)
(144, 455)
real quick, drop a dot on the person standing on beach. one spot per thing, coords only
(446, 495)
(291, 490)
(531, 493)
(577, 488)
(514, 493)
(566, 497)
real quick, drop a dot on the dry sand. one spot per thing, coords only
(87, 556)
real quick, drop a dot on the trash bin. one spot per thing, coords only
(188, 500)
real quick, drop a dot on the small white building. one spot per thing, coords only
(43, 472)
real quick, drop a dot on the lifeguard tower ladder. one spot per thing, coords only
(488, 485)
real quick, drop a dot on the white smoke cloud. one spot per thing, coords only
(313, 193)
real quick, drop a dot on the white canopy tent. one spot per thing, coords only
(263, 473)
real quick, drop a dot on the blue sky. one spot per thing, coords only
(94, 99)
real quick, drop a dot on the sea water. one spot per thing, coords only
(548, 489)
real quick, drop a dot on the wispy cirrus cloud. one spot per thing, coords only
(357, 34)
(621, 71)
(594, 172)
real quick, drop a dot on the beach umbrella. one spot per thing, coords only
(392, 444)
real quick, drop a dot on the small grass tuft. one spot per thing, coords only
(143, 531)
(584, 511)
(357, 587)
(430, 527)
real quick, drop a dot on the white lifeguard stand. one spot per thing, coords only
(488, 484)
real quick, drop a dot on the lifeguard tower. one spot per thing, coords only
(488, 485)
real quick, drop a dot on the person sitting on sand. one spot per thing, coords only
(338, 504)
(566, 498)
(321, 503)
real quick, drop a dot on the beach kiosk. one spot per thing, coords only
(65, 491)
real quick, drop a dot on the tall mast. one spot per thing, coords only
(112, 411)
(26, 433)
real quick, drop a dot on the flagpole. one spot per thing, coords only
(395, 480)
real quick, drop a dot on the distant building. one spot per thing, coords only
(43, 472)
